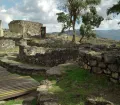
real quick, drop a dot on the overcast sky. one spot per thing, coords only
(44, 11)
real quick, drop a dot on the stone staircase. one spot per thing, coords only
(14, 66)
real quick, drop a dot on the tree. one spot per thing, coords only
(65, 20)
(114, 9)
(90, 20)
(75, 9)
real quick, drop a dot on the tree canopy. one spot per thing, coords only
(114, 9)
(75, 9)
(90, 20)
(65, 20)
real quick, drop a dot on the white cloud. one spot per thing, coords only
(4, 16)
(44, 11)
(110, 24)
(102, 10)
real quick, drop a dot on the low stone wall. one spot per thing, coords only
(6, 44)
(46, 56)
(104, 62)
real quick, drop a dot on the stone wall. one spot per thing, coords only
(101, 62)
(46, 56)
(26, 28)
(6, 44)
(1, 30)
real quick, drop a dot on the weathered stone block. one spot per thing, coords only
(26, 28)
(115, 75)
(102, 65)
(97, 102)
(97, 70)
(113, 80)
(93, 63)
(6, 44)
(107, 71)
(113, 67)
(109, 58)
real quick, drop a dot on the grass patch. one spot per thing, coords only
(77, 84)
(38, 78)
(12, 102)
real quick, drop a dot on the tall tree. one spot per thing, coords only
(90, 20)
(65, 20)
(75, 9)
(114, 9)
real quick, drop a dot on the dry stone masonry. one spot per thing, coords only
(1, 30)
(26, 28)
(101, 62)
(46, 56)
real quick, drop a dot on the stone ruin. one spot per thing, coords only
(46, 56)
(18, 29)
(22, 28)
(98, 59)
(1, 30)
(101, 60)
(25, 28)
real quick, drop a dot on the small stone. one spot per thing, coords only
(2, 102)
(115, 75)
(85, 66)
(91, 101)
(113, 67)
(107, 71)
(113, 80)
(57, 70)
(97, 70)
(42, 88)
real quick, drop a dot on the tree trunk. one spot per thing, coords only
(81, 39)
(73, 39)
(74, 32)
(62, 31)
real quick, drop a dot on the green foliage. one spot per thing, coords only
(65, 20)
(75, 9)
(90, 20)
(114, 9)
(74, 87)
(86, 30)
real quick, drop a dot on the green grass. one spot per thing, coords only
(77, 85)
(38, 78)
(12, 102)
(18, 101)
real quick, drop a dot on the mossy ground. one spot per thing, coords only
(78, 84)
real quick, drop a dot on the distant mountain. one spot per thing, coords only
(110, 34)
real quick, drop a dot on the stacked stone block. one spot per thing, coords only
(107, 63)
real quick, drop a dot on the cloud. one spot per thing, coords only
(44, 11)
(4, 16)
(102, 10)
(110, 24)
(105, 4)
